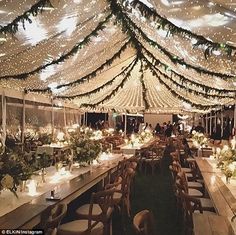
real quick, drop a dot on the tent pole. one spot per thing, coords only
(23, 123)
(52, 119)
(234, 116)
(4, 114)
(222, 121)
(86, 120)
(65, 119)
(207, 124)
(125, 129)
(210, 123)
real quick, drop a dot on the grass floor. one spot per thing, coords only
(153, 193)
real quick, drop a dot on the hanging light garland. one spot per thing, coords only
(185, 80)
(173, 29)
(52, 38)
(108, 83)
(111, 94)
(128, 25)
(188, 88)
(174, 93)
(90, 75)
(176, 60)
(131, 29)
(73, 51)
(12, 27)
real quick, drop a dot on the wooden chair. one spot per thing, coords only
(153, 160)
(94, 218)
(55, 217)
(191, 188)
(191, 205)
(206, 203)
(123, 191)
(143, 223)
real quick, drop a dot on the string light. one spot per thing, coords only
(136, 93)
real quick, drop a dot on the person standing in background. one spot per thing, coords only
(158, 128)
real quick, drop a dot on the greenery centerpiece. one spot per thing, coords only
(85, 149)
(43, 161)
(14, 169)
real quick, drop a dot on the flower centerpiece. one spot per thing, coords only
(199, 139)
(43, 161)
(13, 170)
(86, 150)
(97, 135)
(227, 161)
(145, 136)
(45, 138)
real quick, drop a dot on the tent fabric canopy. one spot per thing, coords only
(111, 55)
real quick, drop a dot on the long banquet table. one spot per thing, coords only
(223, 195)
(129, 149)
(26, 212)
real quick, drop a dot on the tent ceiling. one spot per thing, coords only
(55, 32)
(214, 19)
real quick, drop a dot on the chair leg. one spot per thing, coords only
(106, 228)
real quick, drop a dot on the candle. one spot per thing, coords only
(218, 151)
(233, 143)
(32, 188)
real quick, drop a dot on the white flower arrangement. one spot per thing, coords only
(199, 139)
(227, 160)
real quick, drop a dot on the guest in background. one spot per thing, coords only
(200, 128)
(168, 131)
(158, 128)
(186, 147)
(193, 129)
(226, 131)
(146, 126)
(217, 136)
(167, 159)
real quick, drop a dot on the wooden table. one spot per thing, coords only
(51, 149)
(129, 149)
(204, 224)
(206, 165)
(222, 195)
(29, 214)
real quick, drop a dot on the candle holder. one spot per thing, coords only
(228, 179)
(32, 188)
(43, 173)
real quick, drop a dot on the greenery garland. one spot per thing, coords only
(53, 37)
(111, 94)
(12, 27)
(73, 51)
(190, 90)
(144, 89)
(176, 60)
(187, 80)
(127, 22)
(127, 25)
(122, 73)
(90, 75)
(174, 93)
(173, 29)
